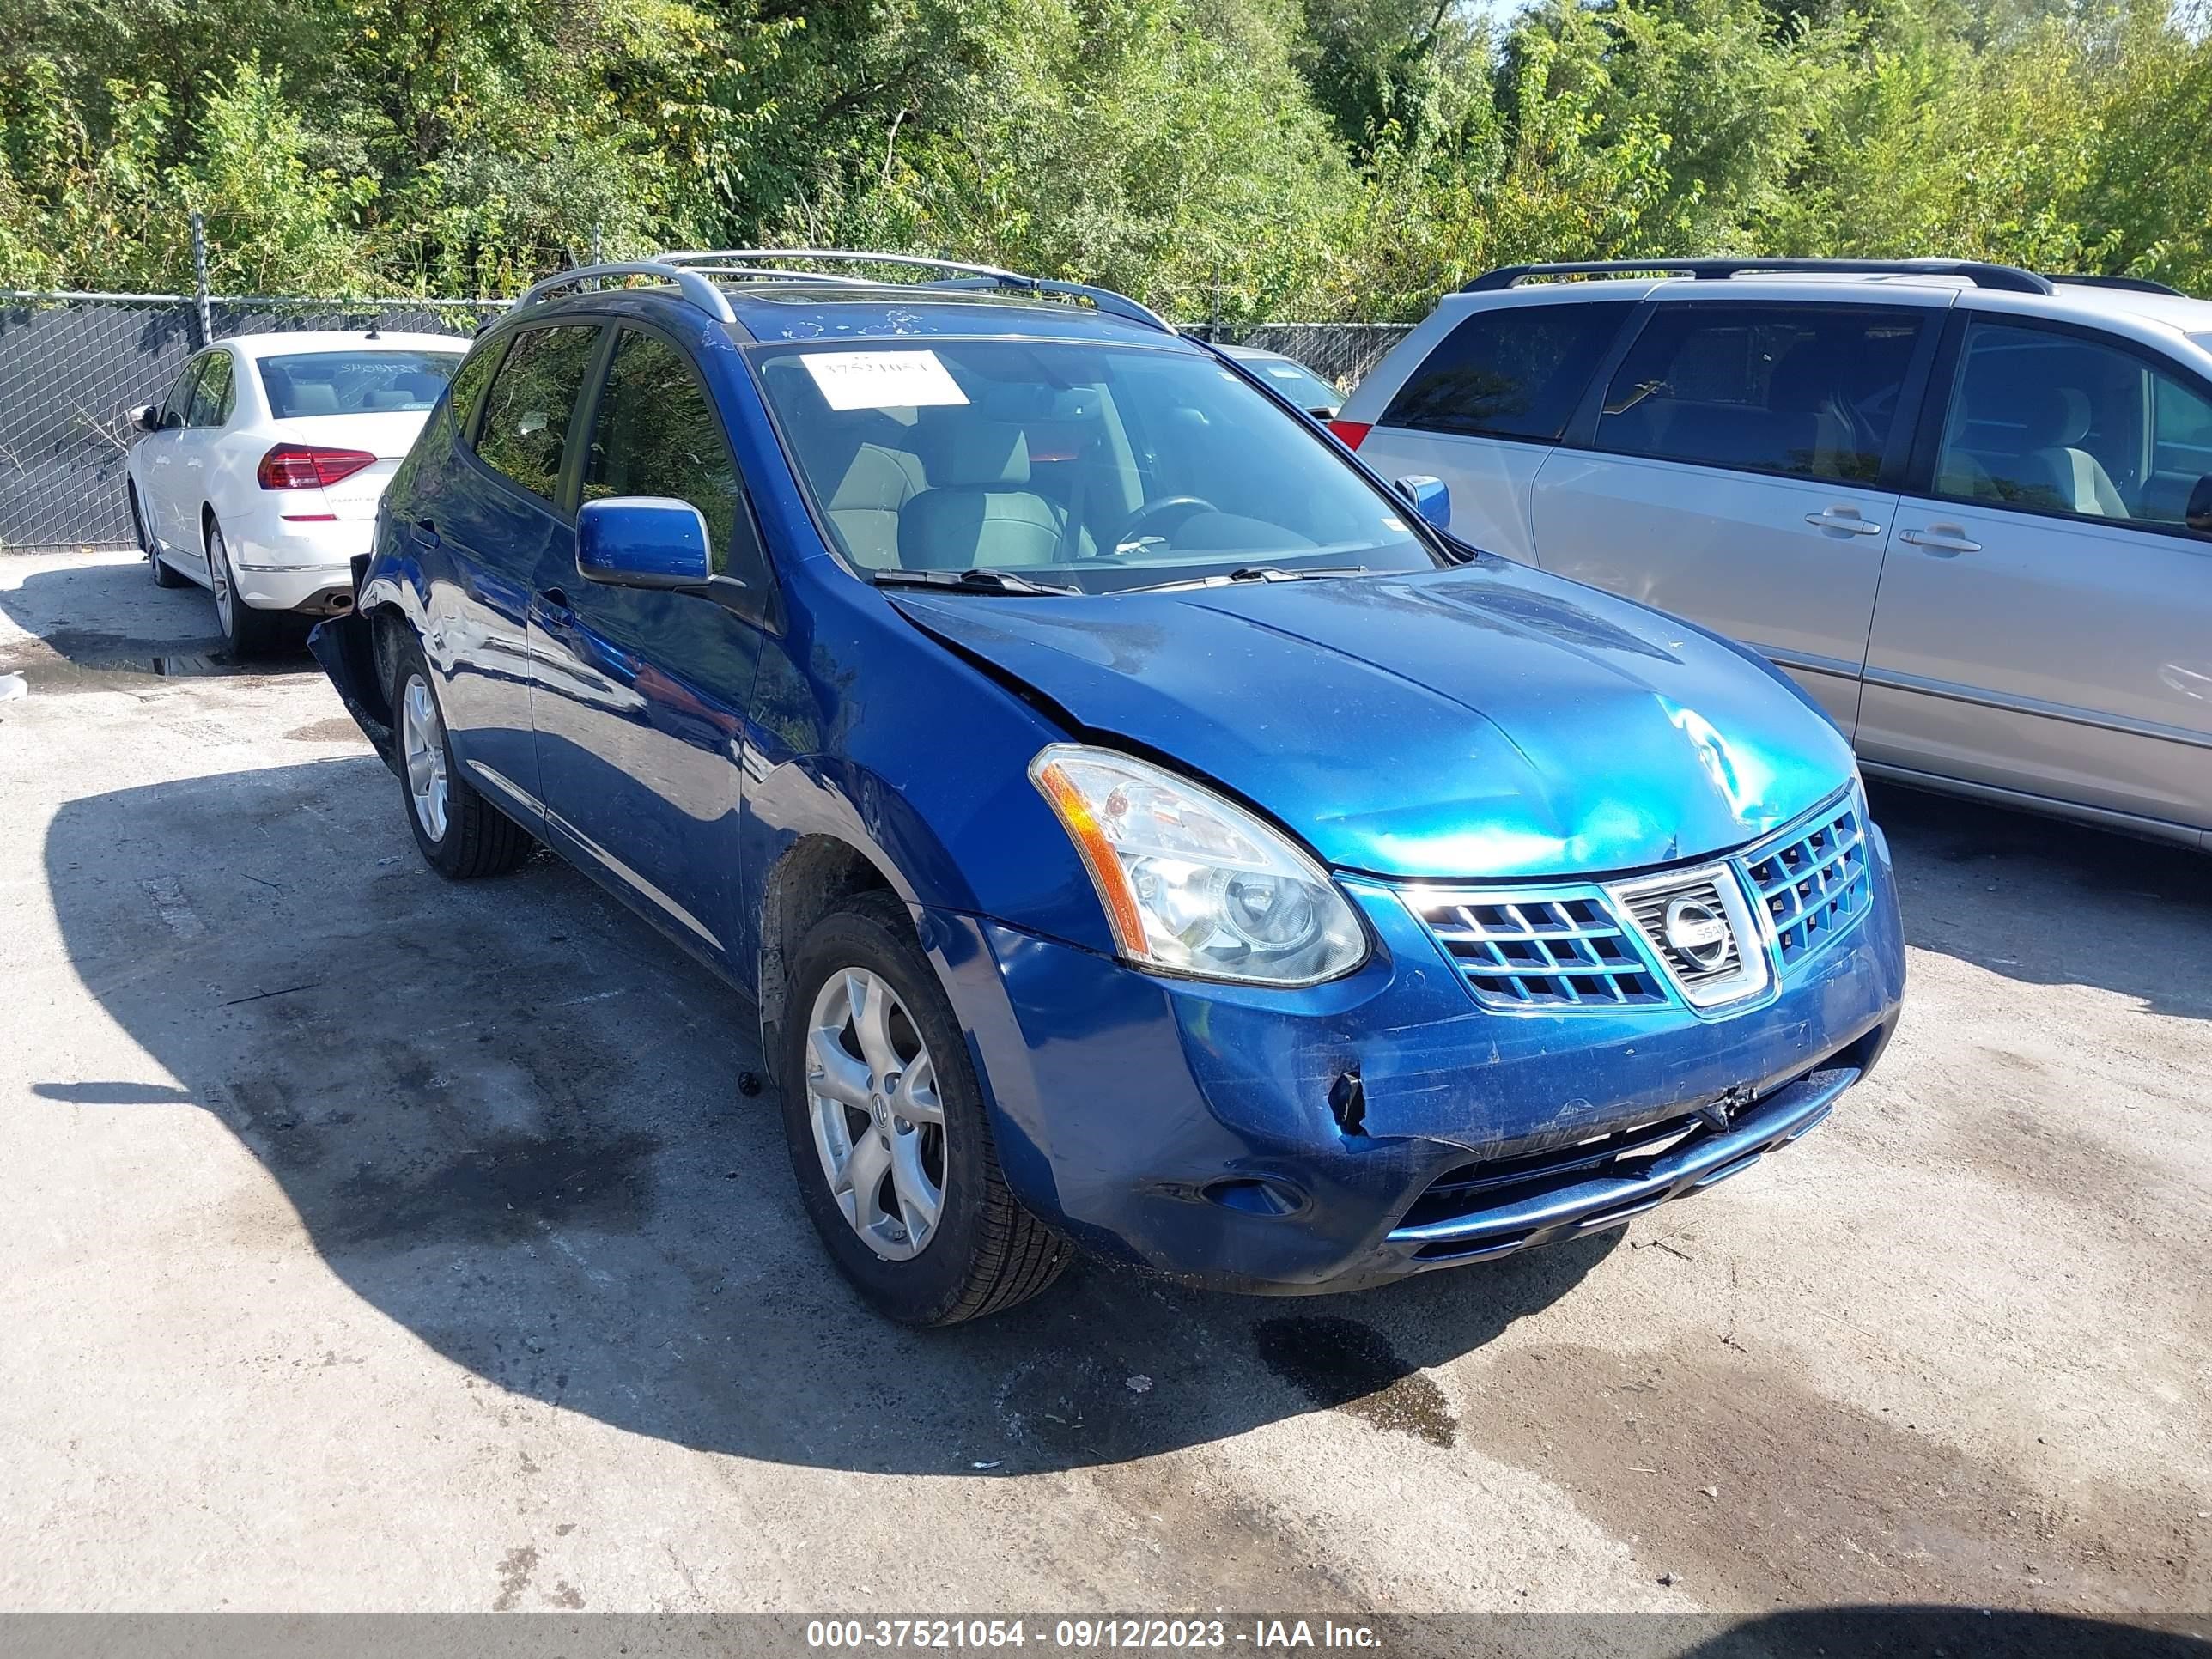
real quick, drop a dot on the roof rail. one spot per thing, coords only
(2132, 284)
(2009, 278)
(694, 288)
(743, 261)
(695, 272)
(739, 258)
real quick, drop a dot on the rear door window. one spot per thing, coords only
(655, 433)
(213, 396)
(533, 396)
(1805, 391)
(1511, 372)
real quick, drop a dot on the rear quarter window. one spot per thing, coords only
(1511, 372)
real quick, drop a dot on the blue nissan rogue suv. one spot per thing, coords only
(1140, 827)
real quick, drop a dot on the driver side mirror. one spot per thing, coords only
(643, 541)
(147, 417)
(1428, 497)
(2198, 516)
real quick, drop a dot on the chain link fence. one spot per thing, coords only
(72, 366)
(1341, 353)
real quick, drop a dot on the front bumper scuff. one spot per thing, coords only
(1568, 1208)
(1123, 1101)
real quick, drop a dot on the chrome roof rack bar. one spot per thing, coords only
(734, 257)
(772, 274)
(2009, 278)
(741, 260)
(1113, 304)
(694, 287)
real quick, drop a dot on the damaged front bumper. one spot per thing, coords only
(345, 645)
(1386, 1124)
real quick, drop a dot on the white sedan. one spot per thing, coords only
(258, 474)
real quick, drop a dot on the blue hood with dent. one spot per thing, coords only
(1485, 722)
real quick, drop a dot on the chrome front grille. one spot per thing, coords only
(1569, 946)
(1813, 882)
(1649, 907)
(1558, 948)
(1698, 924)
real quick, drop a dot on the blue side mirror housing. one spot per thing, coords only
(1428, 497)
(643, 541)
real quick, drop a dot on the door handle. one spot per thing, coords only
(1843, 518)
(426, 533)
(554, 603)
(1941, 539)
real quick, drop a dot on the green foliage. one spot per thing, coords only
(1326, 158)
(1114, 141)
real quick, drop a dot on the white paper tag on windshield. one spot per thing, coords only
(882, 380)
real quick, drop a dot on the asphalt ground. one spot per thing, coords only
(373, 1243)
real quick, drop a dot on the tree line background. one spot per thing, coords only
(1315, 159)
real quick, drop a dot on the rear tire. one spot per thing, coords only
(982, 1252)
(248, 633)
(461, 835)
(163, 576)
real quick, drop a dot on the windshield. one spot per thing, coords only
(355, 382)
(1097, 468)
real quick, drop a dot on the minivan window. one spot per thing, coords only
(213, 397)
(1805, 391)
(526, 412)
(2049, 421)
(655, 433)
(1098, 467)
(310, 383)
(1513, 371)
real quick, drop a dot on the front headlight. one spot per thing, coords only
(1195, 884)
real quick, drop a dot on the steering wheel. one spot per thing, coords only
(1175, 510)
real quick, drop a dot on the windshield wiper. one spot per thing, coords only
(1254, 573)
(981, 580)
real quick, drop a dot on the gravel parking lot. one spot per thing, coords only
(374, 1242)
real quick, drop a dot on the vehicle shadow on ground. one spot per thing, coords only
(507, 1114)
(1881, 1632)
(1869, 1631)
(106, 627)
(2049, 903)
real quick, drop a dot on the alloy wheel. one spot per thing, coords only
(422, 746)
(878, 1124)
(219, 580)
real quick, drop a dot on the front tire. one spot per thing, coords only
(461, 835)
(888, 1137)
(248, 633)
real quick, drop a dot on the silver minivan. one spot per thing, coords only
(1968, 508)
